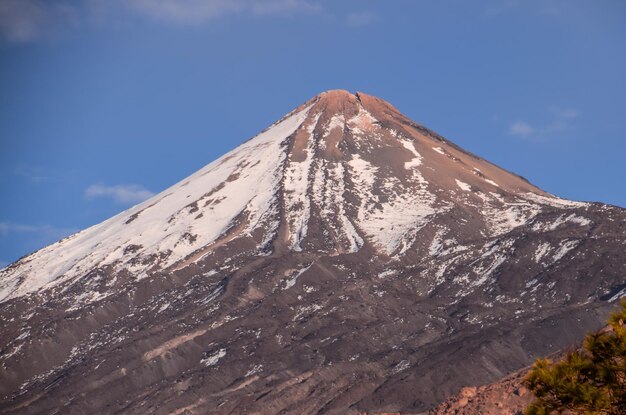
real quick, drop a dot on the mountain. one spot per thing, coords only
(344, 260)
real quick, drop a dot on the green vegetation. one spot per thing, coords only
(590, 381)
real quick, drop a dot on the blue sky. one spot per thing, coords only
(105, 102)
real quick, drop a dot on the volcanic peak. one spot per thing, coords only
(341, 173)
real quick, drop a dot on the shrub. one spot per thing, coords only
(591, 380)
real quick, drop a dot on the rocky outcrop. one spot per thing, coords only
(506, 397)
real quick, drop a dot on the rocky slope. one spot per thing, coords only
(505, 397)
(346, 259)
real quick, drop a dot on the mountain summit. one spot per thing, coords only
(345, 259)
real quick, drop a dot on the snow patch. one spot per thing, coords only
(555, 201)
(504, 216)
(392, 224)
(542, 250)
(328, 196)
(417, 160)
(618, 295)
(296, 194)
(436, 246)
(491, 182)
(336, 121)
(463, 186)
(387, 273)
(254, 370)
(212, 359)
(562, 219)
(291, 281)
(401, 366)
(564, 248)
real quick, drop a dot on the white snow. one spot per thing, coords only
(387, 273)
(296, 186)
(362, 122)
(579, 220)
(291, 281)
(491, 182)
(439, 150)
(213, 358)
(417, 160)
(204, 205)
(336, 121)
(254, 370)
(392, 225)
(355, 240)
(554, 201)
(564, 248)
(463, 186)
(401, 366)
(542, 250)
(306, 310)
(485, 272)
(505, 216)
(562, 219)
(436, 246)
(328, 196)
(618, 295)
(558, 222)
(163, 307)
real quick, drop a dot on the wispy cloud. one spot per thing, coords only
(200, 11)
(554, 8)
(122, 193)
(561, 120)
(359, 19)
(521, 129)
(28, 20)
(47, 232)
(31, 237)
(31, 174)
(496, 7)
(565, 113)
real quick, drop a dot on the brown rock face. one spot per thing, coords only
(345, 260)
(505, 397)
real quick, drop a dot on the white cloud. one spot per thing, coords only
(183, 11)
(277, 7)
(122, 193)
(8, 227)
(561, 120)
(497, 7)
(20, 20)
(565, 113)
(30, 173)
(521, 129)
(47, 232)
(358, 19)
(28, 20)
(192, 12)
